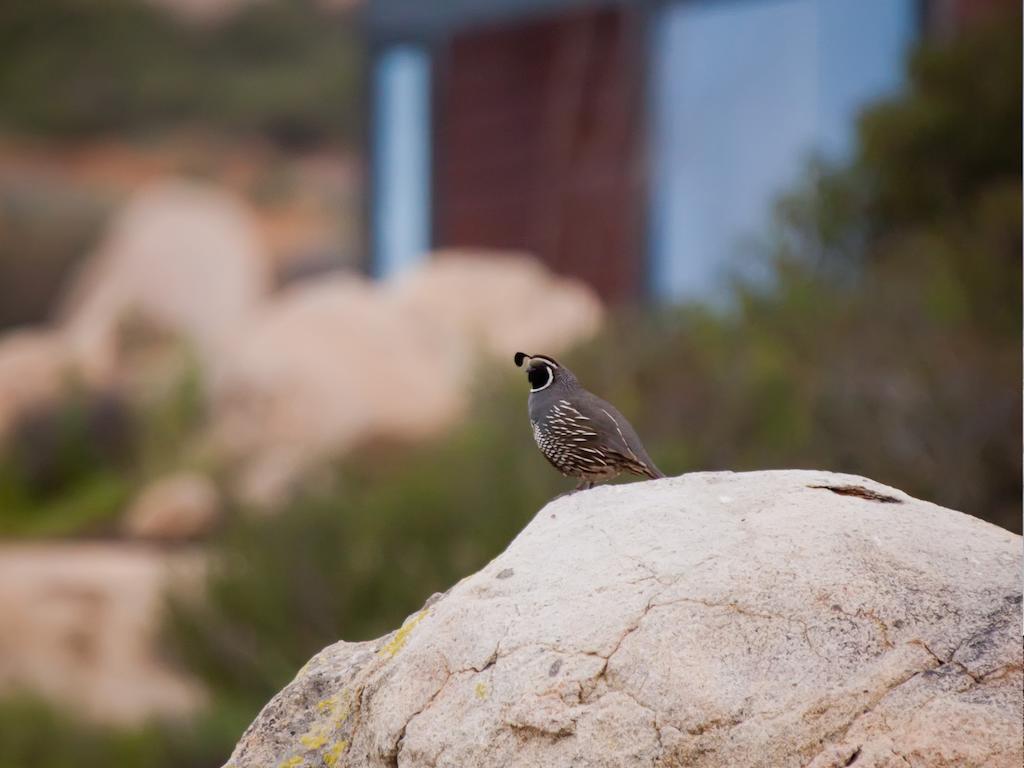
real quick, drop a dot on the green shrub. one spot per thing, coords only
(35, 734)
(70, 466)
(285, 69)
(65, 468)
(352, 559)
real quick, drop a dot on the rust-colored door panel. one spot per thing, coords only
(537, 136)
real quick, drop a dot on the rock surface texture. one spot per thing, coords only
(791, 618)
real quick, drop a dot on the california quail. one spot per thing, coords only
(579, 433)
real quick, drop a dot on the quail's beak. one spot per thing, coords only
(520, 358)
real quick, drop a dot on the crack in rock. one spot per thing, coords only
(874, 618)
(837, 737)
(900, 756)
(739, 609)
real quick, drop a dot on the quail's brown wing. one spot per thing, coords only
(615, 436)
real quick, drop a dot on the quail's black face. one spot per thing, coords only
(540, 375)
(541, 371)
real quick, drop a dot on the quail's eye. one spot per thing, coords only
(540, 376)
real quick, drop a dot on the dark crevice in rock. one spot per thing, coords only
(544, 733)
(860, 492)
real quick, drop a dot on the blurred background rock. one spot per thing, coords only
(224, 444)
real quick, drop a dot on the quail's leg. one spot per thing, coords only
(582, 485)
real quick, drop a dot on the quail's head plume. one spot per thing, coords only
(579, 433)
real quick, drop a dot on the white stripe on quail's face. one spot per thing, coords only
(550, 379)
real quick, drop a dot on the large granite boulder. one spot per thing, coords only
(176, 507)
(792, 618)
(324, 366)
(80, 628)
(499, 302)
(182, 257)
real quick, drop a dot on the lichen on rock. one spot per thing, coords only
(710, 620)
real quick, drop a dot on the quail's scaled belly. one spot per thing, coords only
(552, 449)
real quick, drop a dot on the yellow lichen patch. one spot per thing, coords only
(291, 762)
(313, 740)
(332, 755)
(481, 691)
(402, 636)
(327, 705)
(336, 711)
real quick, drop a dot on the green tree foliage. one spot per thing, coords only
(72, 68)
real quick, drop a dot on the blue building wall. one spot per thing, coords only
(742, 95)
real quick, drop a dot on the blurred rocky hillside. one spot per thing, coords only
(99, 98)
(178, 380)
(57, 200)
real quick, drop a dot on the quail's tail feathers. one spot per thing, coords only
(647, 469)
